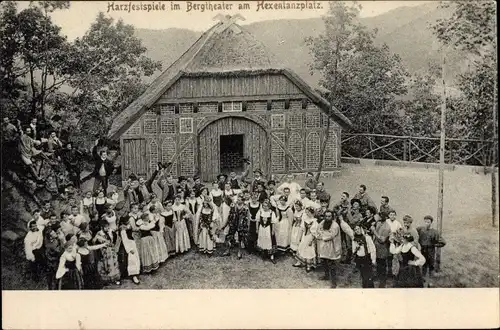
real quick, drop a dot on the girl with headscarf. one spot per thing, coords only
(69, 271)
(128, 256)
(134, 216)
(410, 274)
(266, 220)
(365, 256)
(206, 217)
(193, 205)
(306, 254)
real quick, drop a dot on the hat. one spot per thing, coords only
(283, 198)
(271, 182)
(196, 177)
(181, 178)
(258, 171)
(221, 176)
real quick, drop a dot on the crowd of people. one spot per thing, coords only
(101, 237)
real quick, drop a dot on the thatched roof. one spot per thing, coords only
(225, 49)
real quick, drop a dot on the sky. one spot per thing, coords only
(76, 20)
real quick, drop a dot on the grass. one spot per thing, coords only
(470, 258)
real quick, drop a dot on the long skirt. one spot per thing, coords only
(150, 258)
(196, 229)
(91, 277)
(108, 266)
(137, 239)
(283, 234)
(72, 280)
(266, 241)
(306, 249)
(160, 245)
(205, 242)
(182, 243)
(169, 236)
(252, 236)
(409, 277)
(129, 262)
(295, 238)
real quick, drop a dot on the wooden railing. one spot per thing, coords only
(417, 149)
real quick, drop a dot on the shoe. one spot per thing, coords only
(239, 256)
(118, 283)
(308, 269)
(135, 280)
(297, 264)
(273, 261)
(227, 253)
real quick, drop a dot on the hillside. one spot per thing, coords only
(406, 30)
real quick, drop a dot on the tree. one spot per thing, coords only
(111, 64)
(362, 78)
(33, 55)
(471, 28)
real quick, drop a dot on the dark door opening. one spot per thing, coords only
(231, 153)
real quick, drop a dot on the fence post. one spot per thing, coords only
(409, 149)
(405, 150)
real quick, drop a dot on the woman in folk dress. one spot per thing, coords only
(182, 241)
(296, 233)
(410, 274)
(157, 233)
(69, 272)
(128, 255)
(193, 205)
(284, 215)
(134, 216)
(169, 229)
(150, 257)
(306, 253)
(110, 217)
(107, 264)
(217, 196)
(206, 217)
(100, 203)
(266, 241)
(253, 208)
(91, 277)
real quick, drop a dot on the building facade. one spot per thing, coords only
(227, 99)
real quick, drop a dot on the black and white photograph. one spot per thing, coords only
(222, 145)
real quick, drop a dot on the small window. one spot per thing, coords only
(186, 125)
(232, 106)
(186, 108)
(167, 126)
(278, 121)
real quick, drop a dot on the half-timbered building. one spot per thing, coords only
(227, 98)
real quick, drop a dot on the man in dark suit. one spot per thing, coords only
(103, 168)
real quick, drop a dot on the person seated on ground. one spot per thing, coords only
(53, 143)
(34, 127)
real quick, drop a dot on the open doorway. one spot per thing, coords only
(231, 153)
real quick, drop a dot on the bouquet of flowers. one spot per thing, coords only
(397, 237)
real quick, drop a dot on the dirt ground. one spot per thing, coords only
(470, 258)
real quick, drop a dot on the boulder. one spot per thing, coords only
(10, 236)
